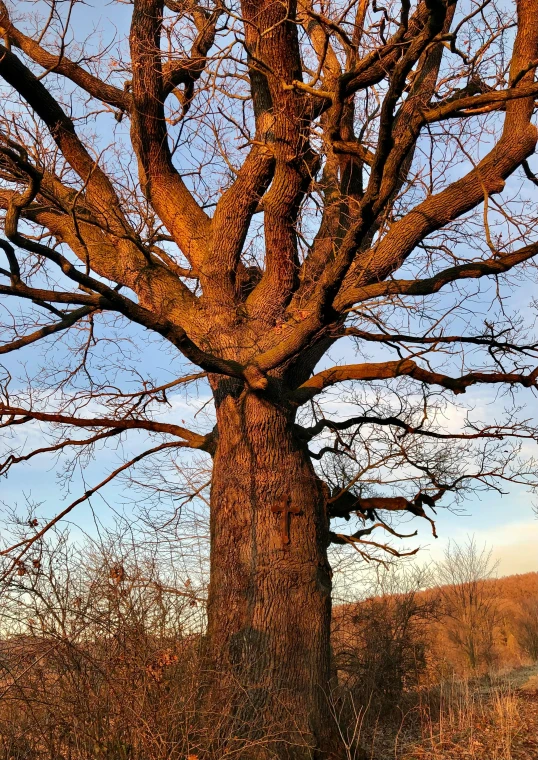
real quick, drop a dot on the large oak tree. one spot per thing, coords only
(252, 182)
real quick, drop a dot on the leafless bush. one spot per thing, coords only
(527, 627)
(382, 645)
(99, 657)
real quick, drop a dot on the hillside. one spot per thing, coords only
(488, 626)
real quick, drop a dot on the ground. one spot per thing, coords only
(496, 721)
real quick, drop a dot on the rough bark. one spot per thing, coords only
(269, 601)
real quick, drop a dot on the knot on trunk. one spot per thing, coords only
(255, 378)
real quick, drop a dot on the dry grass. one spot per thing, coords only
(97, 664)
(500, 726)
(460, 720)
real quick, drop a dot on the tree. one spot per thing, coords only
(470, 603)
(251, 183)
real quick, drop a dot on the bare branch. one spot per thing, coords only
(194, 440)
(164, 187)
(60, 64)
(25, 545)
(387, 370)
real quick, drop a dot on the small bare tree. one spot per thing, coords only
(470, 602)
(247, 185)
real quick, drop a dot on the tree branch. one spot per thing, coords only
(491, 431)
(114, 301)
(60, 64)
(26, 544)
(63, 324)
(474, 270)
(517, 142)
(194, 440)
(99, 190)
(188, 70)
(387, 370)
(474, 104)
(188, 224)
(12, 459)
(233, 215)
(477, 340)
(344, 503)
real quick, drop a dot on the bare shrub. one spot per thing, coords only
(381, 647)
(99, 657)
(527, 627)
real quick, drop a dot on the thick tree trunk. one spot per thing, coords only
(270, 590)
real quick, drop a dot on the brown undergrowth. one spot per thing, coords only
(461, 720)
(100, 659)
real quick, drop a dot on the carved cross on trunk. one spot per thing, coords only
(285, 511)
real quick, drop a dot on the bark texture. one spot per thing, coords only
(270, 601)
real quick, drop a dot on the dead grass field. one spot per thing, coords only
(99, 669)
(464, 721)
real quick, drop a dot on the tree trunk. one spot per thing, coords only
(270, 589)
